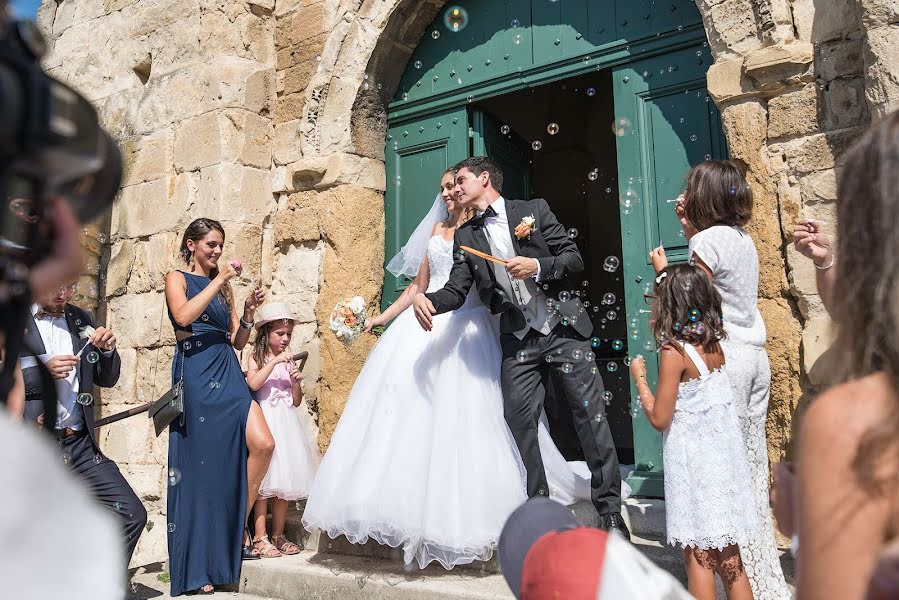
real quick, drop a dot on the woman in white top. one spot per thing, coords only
(715, 206)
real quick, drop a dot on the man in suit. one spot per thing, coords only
(543, 325)
(78, 360)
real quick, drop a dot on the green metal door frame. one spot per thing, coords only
(620, 55)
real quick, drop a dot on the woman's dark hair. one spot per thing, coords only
(686, 308)
(196, 231)
(717, 194)
(865, 297)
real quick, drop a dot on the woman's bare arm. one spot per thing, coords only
(187, 311)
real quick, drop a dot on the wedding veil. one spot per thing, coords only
(408, 260)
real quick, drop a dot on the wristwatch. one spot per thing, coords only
(245, 324)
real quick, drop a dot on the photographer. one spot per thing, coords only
(78, 358)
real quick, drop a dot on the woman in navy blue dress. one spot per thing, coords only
(220, 450)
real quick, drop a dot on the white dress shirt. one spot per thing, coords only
(54, 332)
(498, 229)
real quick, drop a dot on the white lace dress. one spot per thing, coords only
(422, 457)
(709, 501)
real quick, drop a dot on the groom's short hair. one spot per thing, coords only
(479, 164)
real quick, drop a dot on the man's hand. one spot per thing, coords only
(658, 259)
(782, 497)
(424, 310)
(521, 267)
(103, 339)
(810, 240)
(61, 366)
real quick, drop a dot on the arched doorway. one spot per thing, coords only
(599, 107)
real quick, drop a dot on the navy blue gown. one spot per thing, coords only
(207, 508)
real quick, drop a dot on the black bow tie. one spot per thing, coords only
(49, 314)
(489, 212)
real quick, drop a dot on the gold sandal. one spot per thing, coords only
(285, 546)
(265, 548)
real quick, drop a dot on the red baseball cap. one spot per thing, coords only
(564, 565)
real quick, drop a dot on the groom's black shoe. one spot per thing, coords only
(615, 522)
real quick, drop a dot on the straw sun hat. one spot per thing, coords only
(276, 311)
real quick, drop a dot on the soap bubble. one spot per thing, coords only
(417, 64)
(93, 357)
(622, 126)
(694, 314)
(612, 367)
(171, 528)
(505, 129)
(611, 264)
(577, 354)
(174, 477)
(589, 356)
(548, 358)
(595, 342)
(65, 458)
(521, 355)
(567, 368)
(455, 18)
(617, 345)
(607, 397)
(591, 91)
(572, 233)
(202, 419)
(435, 34)
(611, 315)
(537, 145)
(593, 175)
(84, 399)
(564, 296)
(609, 298)
(694, 137)
(515, 23)
(552, 128)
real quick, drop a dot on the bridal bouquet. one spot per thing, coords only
(348, 320)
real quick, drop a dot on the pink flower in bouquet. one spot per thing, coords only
(235, 262)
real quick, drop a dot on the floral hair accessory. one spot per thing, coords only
(661, 277)
(526, 227)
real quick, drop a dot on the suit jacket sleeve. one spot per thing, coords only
(566, 258)
(108, 368)
(453, 294)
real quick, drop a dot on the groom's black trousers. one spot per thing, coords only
(525, 373)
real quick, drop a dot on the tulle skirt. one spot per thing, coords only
(422, 457)
(295, 459)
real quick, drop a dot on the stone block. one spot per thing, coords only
(731, 26)
(824, 22)
(146, 17)
(817, 152)
(153, 543)
(305, 52)
(153, 258)
(725, 80)
(296, 79)
(289, 107)
(302, 25)
(128, 441)
(844, 104)
(298, 273)
(306, 173)
(356, 170)
(245, 242)
(817, 358)
(287, 145)
(139, 319)
(843, 58)
(876, 13)
(230, 29)
(235, 193)
(124, 391)
(145, 209)
(174, 46)
(298, 221)
(746, 125)
(154, 371)
(780, 62)
(147, 481)
(148, 157)
(794, 114)
(225, 135)
(820, 186)
(882, 70)
(334, 122)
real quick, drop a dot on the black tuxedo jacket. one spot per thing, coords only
(104, 373)
(549, 244)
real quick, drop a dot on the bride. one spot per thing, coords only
(422, 457)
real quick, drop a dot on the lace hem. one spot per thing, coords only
(416, 547)
(716, 543)
(290, 495)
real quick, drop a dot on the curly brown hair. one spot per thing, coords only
(717, 194)
(686, 308)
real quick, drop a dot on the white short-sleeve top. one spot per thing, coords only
(730, 254)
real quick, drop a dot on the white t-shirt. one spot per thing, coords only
(731, 255)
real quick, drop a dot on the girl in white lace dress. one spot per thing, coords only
(709, 507)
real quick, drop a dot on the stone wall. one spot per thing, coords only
(270, 115)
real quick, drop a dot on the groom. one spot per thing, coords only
(543, 324)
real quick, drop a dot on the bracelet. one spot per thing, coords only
(245, 324)
(825, 267)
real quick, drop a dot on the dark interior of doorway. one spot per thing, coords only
(574, 167)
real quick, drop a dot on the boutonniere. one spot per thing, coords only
(526, 227)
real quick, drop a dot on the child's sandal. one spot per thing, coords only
(285, 546)
(265, 548)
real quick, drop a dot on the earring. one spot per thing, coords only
(190, 261)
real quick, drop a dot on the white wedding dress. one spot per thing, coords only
(422, 457)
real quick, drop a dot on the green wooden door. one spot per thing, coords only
(418, 152)
(665, 123)
(507, 149)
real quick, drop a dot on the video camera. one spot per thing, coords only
(51, 145)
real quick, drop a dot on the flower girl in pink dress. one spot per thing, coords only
(277, 385)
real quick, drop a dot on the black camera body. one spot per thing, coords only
(51, 146)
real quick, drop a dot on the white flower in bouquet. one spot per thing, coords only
(348, 319)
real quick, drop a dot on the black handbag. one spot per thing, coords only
(170, 406)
